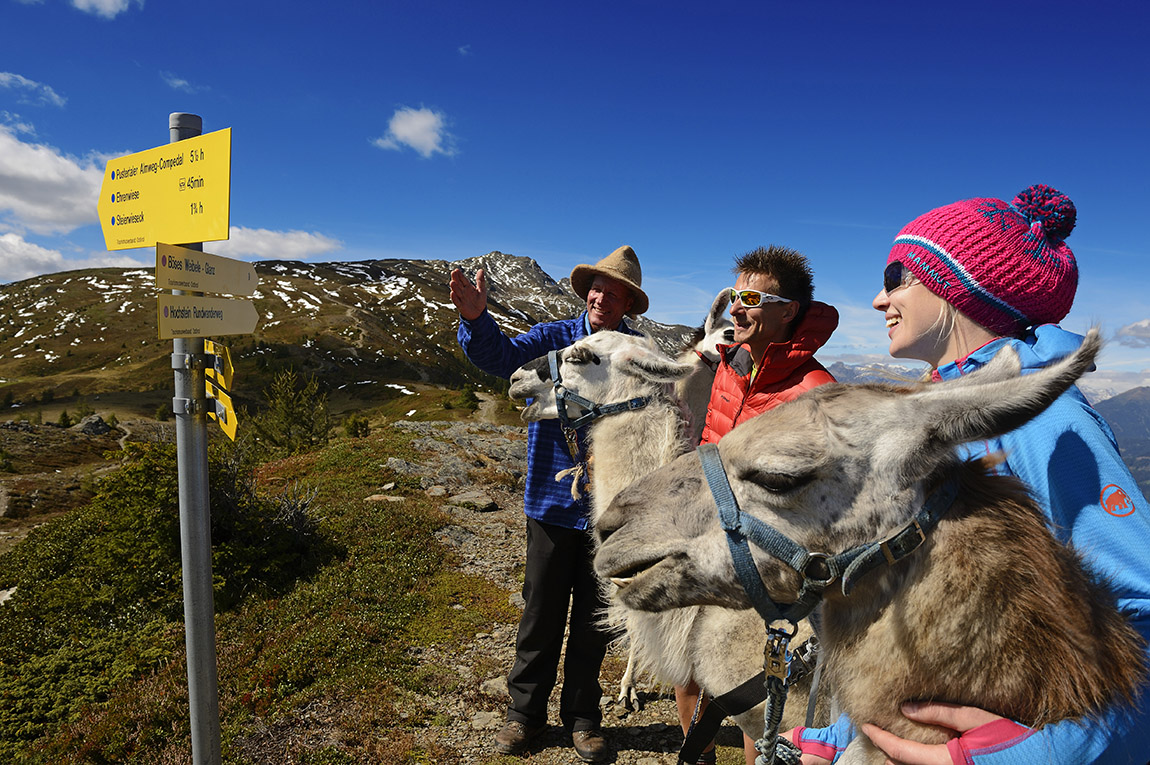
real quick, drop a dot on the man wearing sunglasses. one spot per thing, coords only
(559, 549)
(778, 328)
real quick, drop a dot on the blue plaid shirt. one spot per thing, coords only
(544, 499)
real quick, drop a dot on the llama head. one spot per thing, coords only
(718, 329)
(604, 367)
(841, 465)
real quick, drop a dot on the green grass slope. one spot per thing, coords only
(320, 599)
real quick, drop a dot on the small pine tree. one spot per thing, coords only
(65, 420)
(296, 419)
(468, 399)
(356, 426)
(163, 412)
(113, 421)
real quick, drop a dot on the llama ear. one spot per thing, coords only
(652, 366)
(988, 403)
(1004, 366)
(717, 314)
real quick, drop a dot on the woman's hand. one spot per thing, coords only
(958, 719)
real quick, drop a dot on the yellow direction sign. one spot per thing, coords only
(178, 268)
(223, 412)
(222, 370)
(195, 316)
(180, 192)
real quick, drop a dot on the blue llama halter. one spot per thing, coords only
(819, 570)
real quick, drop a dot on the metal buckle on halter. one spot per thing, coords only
(803, 660)
(775, 651)
(906, 541)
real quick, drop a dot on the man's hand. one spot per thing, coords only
(958, 719)
(469, 299)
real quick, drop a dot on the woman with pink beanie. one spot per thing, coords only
(962, 282)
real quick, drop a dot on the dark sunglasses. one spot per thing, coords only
(895, 276)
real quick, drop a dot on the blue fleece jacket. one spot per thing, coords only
(1068, 458)
(485, 345)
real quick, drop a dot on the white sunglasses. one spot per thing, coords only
(753, 298)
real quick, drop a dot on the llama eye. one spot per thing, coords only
(582, 356)
(778, 483)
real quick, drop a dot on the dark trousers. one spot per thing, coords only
(558, 573)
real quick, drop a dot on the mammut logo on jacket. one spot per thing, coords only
(1116, 502)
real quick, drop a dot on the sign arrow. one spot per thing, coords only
(196, 316)
(178, 268)
(223, 412)
(222, 370)
(180, 192)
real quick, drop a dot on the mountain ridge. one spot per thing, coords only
(359, 327)
(91, 331)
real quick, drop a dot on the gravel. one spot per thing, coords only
(488, 538)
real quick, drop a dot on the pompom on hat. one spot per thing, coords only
(1006, 266)
(622, 264)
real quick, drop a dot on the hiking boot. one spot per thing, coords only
(590, 745)
(513, 737)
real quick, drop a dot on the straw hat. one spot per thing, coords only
(622, 264)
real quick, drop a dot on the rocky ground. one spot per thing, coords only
(488, 538)
(46, 470)
(476, 468)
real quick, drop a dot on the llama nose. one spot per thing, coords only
(610, 521)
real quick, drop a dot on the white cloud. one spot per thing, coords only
(32, 92)
(20, 259)
(109, 9)
(263, 244)
(1136, 335)
(17, 124)
(45, 190)
(421, 129)
(179, 83)
(465, 50)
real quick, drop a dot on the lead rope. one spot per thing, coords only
(581, 472)
(773, 749)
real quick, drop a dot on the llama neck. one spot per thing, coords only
(912, 637)
(628, 446)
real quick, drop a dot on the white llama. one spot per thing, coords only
(609, 367)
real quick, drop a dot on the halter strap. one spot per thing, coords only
(594, 410)
(712, 365)
(818, 570)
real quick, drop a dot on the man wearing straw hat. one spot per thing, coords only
(559, 549)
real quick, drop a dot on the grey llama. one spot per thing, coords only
(847, 465)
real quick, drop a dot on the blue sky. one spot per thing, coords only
(691, 131)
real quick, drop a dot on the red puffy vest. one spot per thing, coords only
(785, 371)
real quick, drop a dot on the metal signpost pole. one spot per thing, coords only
(189, 405)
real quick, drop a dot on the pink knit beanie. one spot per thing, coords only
(1004, 266)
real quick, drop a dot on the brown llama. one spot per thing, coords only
(988, 610)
